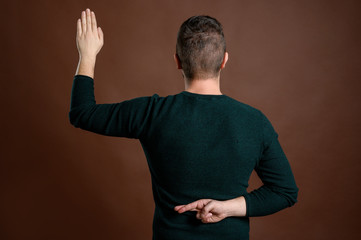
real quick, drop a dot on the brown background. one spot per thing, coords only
(297, 61)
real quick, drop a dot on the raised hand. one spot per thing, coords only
(208, 210)
(89, 37)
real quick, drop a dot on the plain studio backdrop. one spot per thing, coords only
(297, 61)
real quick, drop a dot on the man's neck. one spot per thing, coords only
(203, 86)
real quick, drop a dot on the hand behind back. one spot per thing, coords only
(208, 210)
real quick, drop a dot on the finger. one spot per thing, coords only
(88, 20)
(94, 22)
(78, 29)
(190, 207)
(206, 220)
(200, 217)
(83, 22)
(176, 208)
(195, 206)
(208, 215)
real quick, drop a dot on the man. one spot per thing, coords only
(201, 145)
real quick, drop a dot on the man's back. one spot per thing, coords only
(197, 146)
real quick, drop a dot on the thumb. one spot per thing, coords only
(100, 34)
(206, 211)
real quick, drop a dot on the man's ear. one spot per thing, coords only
(177, 61)
(225, 59)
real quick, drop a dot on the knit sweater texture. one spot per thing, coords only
(197, 146)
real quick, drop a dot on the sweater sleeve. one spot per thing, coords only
(124, 119)
(279, 189)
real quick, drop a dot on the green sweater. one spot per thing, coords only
(197, 146)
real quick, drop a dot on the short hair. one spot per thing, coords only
(201, 47)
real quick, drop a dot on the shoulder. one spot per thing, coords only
(249, 109)
(156, 98)
(152, 101)
(259, 119)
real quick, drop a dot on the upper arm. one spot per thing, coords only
(273, 167)
(125, 119)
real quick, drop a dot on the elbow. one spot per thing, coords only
(292, 196)
(289, 195)
(71, 118)
(80, 117)
(74, 118)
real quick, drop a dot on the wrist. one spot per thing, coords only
(86, 65)
(87, 58)
(236, 207)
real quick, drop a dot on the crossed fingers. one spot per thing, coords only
(194, 206)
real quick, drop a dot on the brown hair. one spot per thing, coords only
(201, 47)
